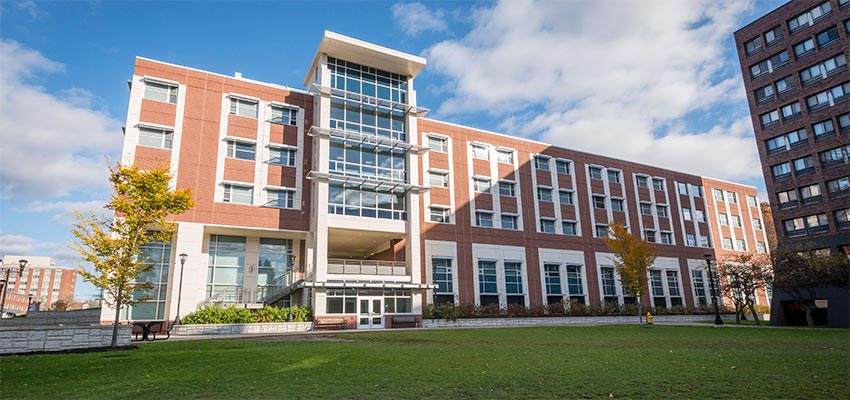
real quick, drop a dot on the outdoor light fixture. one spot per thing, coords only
(23, 264)
(717, 319)
(183, 257)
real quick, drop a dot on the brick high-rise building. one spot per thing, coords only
(794, 64)
(43, 279)
(346, 198)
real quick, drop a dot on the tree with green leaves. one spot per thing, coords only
(143, 202)
(801, 270)
(632, 259)
(743, 276)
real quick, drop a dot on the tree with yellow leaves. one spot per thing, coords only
(142, 201)
(632, 259)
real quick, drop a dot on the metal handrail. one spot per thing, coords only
(366, 267)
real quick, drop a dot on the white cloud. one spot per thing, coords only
(609, 77)
(64, 211)
(31, 8)
(414, 18)
(51, 145)
(23, 245)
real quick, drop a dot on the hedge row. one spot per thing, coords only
(234, 315)
(453, 311)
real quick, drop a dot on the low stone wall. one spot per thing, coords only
(42, 318)
(555, 321)
(57, 338)
(237, 329)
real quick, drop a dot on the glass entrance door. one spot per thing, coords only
(370, 312)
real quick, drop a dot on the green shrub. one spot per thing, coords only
(235, 315)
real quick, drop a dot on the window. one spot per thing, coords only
(695, 190)
(718, 194)
(724, 219)
(823, 129)
(658, 184)
(547, 225)
(804, 165)
(699, 288)
(565, 196)
(541, 163)
(440, 215)
(700, 215)
(727, 244)
(284, 115)
(282, 156)
(732, 197)
(704, 241)
(781, 171)
(507, 189)
(155, 137)
(238, 194)
(481, 185)
(241, 150)
(609, 282)
(601, 231)
(649, 235)
(809, 17)
(599, 202)
(617, 204)
(438, 179)
(692, 240)
(686, 214)
(844, 123)
(442, 277)
(791, 111)
(437, 143)
(595, 173)
(562, 166)
(757, 224)
(160, 92)
(673, 287)
(842, 218)
(828, 98)
(226, 264)
(280, 198)
(553, 283)
(754, 45)
(752, 201)
(815, 221)
(833, 158)
(822, 70)
(480, 152)
(646, 208)
(484, 219)
(794, 227)
(657, 284)
(513, 282)
(243, 107)
(769, 119)
(773, 35)
(544, 193)
(682, 188)
(363, 159)
(505, 156)
(761, 247)
(569, 228)
(509, 221)
(613, 176)
(764, 94)
(810, 194)
(487, 277)
(642, 181)
(661, 210)
(804, 48)
(787, 199)
(785, 85)
(838, 187)
(574, 280)
(735, 220)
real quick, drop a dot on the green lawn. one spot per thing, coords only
(546, 362)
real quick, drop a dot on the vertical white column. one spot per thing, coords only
(189, 238)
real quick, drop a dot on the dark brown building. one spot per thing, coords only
(794, 64)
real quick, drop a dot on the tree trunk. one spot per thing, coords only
(809, 321)
(640, 310)
(753, 312)
(114, 342)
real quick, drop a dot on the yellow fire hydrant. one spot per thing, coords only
(648, 318)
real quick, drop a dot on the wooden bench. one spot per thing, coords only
(329, 323)
(405, 320)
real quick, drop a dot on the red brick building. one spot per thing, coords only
(347, 198)
(42, 279)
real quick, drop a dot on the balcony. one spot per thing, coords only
(339, 266)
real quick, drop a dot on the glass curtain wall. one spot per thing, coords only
(158, 256)
(226, 267)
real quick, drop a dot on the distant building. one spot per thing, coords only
(43, 279)
(794, 64)
(347, 198)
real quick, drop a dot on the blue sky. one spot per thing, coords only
(656, 82)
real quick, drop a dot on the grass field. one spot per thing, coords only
(545, 362)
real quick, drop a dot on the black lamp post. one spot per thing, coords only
(183, 257)
(23, 264)
(717, 319)
(291, 276)
(29, 303)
